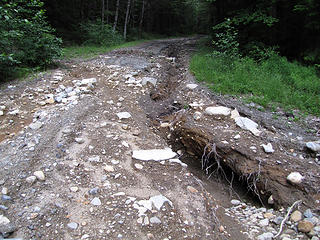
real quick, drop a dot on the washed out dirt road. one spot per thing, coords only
(118, 147)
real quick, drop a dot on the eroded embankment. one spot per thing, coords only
(212, 139)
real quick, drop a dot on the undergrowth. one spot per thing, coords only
(271, 81)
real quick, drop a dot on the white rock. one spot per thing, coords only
(159, 200)
(39, 175)
(121, 99)
(36, 125)
(1, 113)
(109, 168)
(4, 220)
(4, 191)
(314, 146)
(178, 161)
(192, 86)
(218, 111)
(295, 177)
(14, 112)
(73, 225)
(138, 166)
(235, 202)
(96, 201)
(79, 140)
(237, 136)
(85, 236)
(266, 236)
(153, 154)
(31, 179)
(264, 222)
(235, 114)
(268, 148)
(94, 159)
(155, 220)
(2, 107)
(124, 115)
(271, 200)
(197, 116)
(88, 81)
(74, 189)
(146, 80)
(248, 124)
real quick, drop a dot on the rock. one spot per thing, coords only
(268, 148)
(305, 226)
(109, 168)
(85, 236)
(286, 238)
(1, 113)
(314, 238)
(150, 236)
(248, 124)
(278, 220)
(192, 86)
(296, 216)
(197, 116)
(36, 125)
(192, 189)
(4, 220)
(6, 198)
(268, 215)
(94, 159)
(266, 236)
(88, 81)
(237, 136)
(314, 146)
(79, 140)
(235, 114)
(93, 191)
(138, 166)
(31, 179)
(295, 178)
(224, 111)
(178, 161)
(4, 191)
(74, 189)
(4, 208)
(124, 115)
(159, 200)
(155, 220)
(73, 225)
(121, 99)
(271, 200)
(221, 229)
(235, 202)
(264, 222)
(147, 80)
(7, 229)
(39, 175)
(153, 154)
(308, 213)
(96, 202)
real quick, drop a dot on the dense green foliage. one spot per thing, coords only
(25, 37)
(271, 81)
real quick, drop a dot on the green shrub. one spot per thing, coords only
(26, 40)
(96, 33)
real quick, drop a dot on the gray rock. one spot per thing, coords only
(295, 178)
(94, 191)
(264, 222)
(7, 229)
(159, 200)
(96, 202)
(4, 208)
(266, 236)
(39, 175)
(314, 146)
(155, 220)
(6, 198)
(4, 220)
(308, 213)
(79, 140)
(147, 80)
(36, 125)
(278, 220)
(73, 225)
(31, 179)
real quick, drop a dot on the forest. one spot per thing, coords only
(33, 33)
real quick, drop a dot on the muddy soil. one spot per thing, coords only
(92, 188)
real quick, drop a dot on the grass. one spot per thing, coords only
(85, 51)
(274, 81)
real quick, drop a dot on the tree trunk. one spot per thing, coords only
(141, 18)
(126, 20)
(116, 16)
(102, 12)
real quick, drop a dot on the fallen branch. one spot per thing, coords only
(286, 218)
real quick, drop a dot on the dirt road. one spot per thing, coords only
(73, 166)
